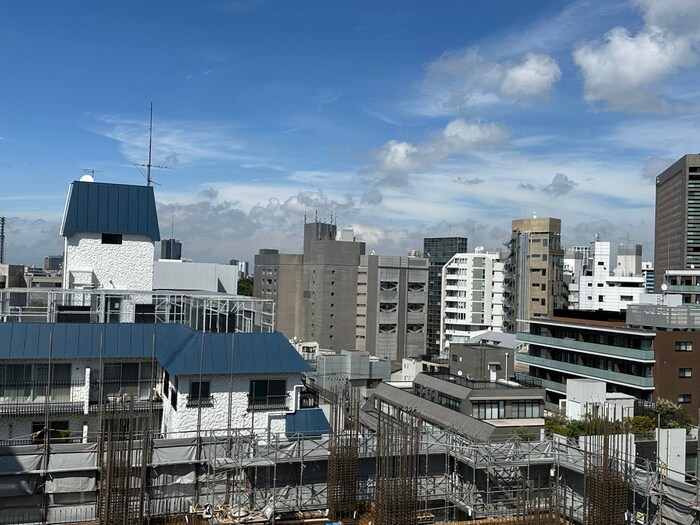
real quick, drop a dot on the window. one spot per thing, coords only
(525, 409)
(684, 346)
(685, 372)
(489, 410)
(111, 238)
(267, 394)
(199, 389)
(127, 378)
(684, 398)
(58, 431)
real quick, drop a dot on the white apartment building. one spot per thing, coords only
(599, 290)
(472, 296)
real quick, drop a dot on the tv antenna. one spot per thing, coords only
(149, 165)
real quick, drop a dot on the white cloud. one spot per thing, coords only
(458, 137)
(624, 71)
(532, 77)
(465, 80)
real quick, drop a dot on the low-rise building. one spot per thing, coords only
(479, 410)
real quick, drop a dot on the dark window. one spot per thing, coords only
(684, 398)
(268, 394)
(111, 238)
(684, 346)
(685, 372)
(199, 390)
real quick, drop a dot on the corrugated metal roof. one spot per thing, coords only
(100, 207)
(307, 422)
(178, 348)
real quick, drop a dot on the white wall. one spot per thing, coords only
(126, 266)
(215, 417)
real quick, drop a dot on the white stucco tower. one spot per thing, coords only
(110, 232)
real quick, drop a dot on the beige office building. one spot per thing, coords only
(533, 282)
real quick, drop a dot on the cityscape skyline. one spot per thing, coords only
(403, 120)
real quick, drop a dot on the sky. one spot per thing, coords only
(400, 119)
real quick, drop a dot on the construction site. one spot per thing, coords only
(402, 474)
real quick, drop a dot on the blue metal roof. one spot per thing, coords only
(307, 422)
(178, 348)
(99, 207)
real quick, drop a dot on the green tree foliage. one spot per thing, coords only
(245, 286)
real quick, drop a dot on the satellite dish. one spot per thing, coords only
(87, 178)
(664, 287)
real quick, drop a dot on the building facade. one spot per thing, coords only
(104, 223)
(315, 292)
(534, 282)
(438, 250)
(472, 296)
(677, 221)
(392, 304)
(599, 289)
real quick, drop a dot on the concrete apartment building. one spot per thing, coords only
(392, 304)
(599, 289)
(533, 284)
(316, 291)
(439, 250)
(472, 296)
(649, 352)
(677, 231)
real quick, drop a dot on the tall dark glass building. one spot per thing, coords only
(439, 250)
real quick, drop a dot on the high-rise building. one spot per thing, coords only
(677, 225)
(170, 249)
(439, 250)
(392, 297)
(472, 296)
(315, 292)
(534, 285)
(243, 268)
(601, 290)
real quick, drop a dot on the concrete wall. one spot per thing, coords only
(210, 277)
(126, 266)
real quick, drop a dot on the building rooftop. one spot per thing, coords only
(99, 207)
(179, 349)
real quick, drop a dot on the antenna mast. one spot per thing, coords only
(149, 165)
(150, 146)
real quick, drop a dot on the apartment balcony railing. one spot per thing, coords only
(545, 383)
(270, 402)
(633, 381)
(139, 396)
(30, 398)
(621, 352)
(200, 401)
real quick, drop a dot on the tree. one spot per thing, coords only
(245, 286)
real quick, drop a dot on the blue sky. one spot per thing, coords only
(403, 119)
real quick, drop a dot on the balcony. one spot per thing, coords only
(544, 383)
(272, 402)
(30, 398)
(646, 383)
(139, 396)
(622, 352)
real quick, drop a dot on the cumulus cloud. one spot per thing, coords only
(467, 79)
(623, 71)
(459, 136)
(214, 230)
(28, 241)
(560, 185)
(653, 166)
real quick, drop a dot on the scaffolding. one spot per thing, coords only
(396, 473)
(343, 456)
